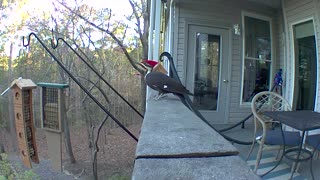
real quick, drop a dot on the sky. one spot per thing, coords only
(119, 7)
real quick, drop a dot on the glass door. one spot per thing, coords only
(207, 70)
(305, 66)
(206, 76)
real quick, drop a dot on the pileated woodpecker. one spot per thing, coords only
(163, 83)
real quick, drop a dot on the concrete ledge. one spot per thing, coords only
(175, 144)
(213, 168)
(170, 129)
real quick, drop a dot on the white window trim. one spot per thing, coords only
(265, 18)
(293, 57)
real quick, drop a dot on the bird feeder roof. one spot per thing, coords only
(23, 84)
(53, 85)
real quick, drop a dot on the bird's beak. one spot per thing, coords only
(142, 65)
(144, 62)
(146, 66)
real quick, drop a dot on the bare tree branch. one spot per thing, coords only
(138, 21)
(119, 42)
(94, 84)
(93, 44)
(96, 147)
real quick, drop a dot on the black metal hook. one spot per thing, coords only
(166, 54)
(79, 84)
(173, 71)
(53, 45)
(28, 39)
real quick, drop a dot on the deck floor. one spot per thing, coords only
(246, 135)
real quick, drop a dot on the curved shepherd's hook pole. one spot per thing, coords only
(186, 100)
(79, 84)
(55, 45)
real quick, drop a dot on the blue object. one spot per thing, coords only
(314, 141)
(278, 78)
(292, 138)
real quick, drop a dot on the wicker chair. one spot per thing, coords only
(271, 138)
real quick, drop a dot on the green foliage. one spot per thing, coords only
(5, 168)
(118, 177)
(26, 175)
(6, 171)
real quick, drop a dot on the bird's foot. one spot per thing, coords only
(159, 96)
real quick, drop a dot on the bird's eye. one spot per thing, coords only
(165, 86)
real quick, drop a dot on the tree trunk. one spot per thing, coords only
(67, 133)
(66, 129)
(1, 151)
(1, 144)
(94, 155)
(143, 94)
(88, 125)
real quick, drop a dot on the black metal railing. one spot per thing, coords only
(55, 45)
(79, 84)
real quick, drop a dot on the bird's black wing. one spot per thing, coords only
(165, 83)
(174, 86)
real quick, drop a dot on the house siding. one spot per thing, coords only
(295, 11)
(218, 13)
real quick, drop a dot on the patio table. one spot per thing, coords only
(300, 120)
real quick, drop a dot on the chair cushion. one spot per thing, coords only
(274, 137)
(313, 140)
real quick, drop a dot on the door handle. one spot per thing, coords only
(225, 81)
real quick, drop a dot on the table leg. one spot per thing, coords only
(298, 156)
(311, 169)
(283, 152)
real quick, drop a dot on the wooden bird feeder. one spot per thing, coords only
(22, 95)
(52, 99)
(52, 117)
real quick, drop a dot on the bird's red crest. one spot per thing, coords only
(152, 63)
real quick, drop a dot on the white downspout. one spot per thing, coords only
(154, 36)
(170, 35)
(157, 27)
(151, 28)
(286, 56)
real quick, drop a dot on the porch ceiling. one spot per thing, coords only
(271, 3)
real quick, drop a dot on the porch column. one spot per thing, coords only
(154, 30)
(154, 33)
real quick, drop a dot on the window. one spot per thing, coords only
(305, 53)
(206, 84)
(257, 57)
